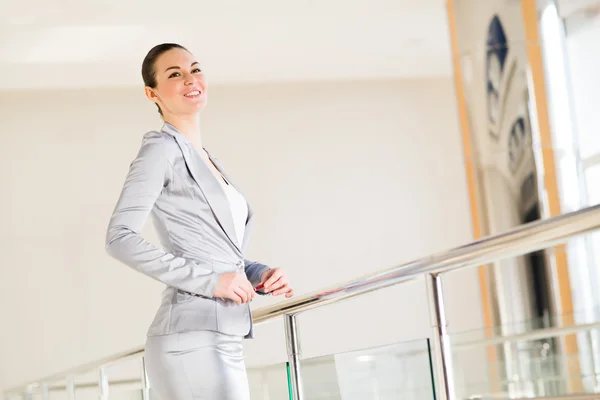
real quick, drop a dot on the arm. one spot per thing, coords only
(254, 271)
(273, 280)
(147, 176)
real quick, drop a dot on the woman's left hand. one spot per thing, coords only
(275, 282)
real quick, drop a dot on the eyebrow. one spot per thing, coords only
(194, 63)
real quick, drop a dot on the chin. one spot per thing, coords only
(201, 102)
(191, 109)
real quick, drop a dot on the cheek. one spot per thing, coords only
(172, 93)
(169, 91)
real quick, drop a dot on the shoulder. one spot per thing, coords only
(157, 138)
(160, 144)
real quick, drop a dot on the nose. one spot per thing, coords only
(190, 79)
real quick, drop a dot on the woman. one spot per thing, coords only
(194, 345)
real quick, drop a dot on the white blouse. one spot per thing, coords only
(239, 210)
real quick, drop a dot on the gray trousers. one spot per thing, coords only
(196, 365)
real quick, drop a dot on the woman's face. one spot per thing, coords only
(180, 85)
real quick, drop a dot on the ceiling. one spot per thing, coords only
(75, 44)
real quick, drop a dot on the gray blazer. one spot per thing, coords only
(193, 220)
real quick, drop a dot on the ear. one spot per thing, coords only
(151, 94)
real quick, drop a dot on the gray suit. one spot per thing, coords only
(191, 214)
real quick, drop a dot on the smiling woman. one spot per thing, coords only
(194, 346)
(167, 65)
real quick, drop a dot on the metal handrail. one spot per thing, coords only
(521, 240)
(518, 241)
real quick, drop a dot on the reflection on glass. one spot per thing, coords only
(378, 373)
(269, 382)
(528, 366)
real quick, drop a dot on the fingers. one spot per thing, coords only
(236, 287)
(285, 289)
(275, 276)
(247, 286)
(239, 295)
(280, 283)
(243, 288)
(277, 284)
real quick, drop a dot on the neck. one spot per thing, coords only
(189, 126)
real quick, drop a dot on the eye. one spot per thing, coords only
(196, 71)
(173, 75)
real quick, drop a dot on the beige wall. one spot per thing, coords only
(345, 179)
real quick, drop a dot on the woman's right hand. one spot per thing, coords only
(235, 286)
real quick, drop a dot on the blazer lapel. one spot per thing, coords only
(208, 184)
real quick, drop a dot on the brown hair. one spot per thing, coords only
(149, 64)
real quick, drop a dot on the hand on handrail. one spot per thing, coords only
(275, 282)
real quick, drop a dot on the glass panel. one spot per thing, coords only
(124, 383)
(123, 394)
(86, 386)
(555, 364)
(57, 391)
(266, 383)
(376, 373)
(269, 382)
(125, 380)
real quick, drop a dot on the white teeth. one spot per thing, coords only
(195, 93)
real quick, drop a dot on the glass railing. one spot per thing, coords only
(536, 358)
(529, 365)
(123, 381)
(546, 357)
(269, 382)
(377, 373)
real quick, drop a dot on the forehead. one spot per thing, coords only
(174, 58)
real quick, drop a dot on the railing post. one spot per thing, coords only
(103, 384)
(28, 393)
(45, 391)
(293, 350)
(442, 353)
(145, 381)
(70, 388)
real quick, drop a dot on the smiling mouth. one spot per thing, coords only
(193, 94)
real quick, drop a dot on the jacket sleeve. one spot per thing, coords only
(254, 271)
(148, 174)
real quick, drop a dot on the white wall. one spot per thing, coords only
(345, 179)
